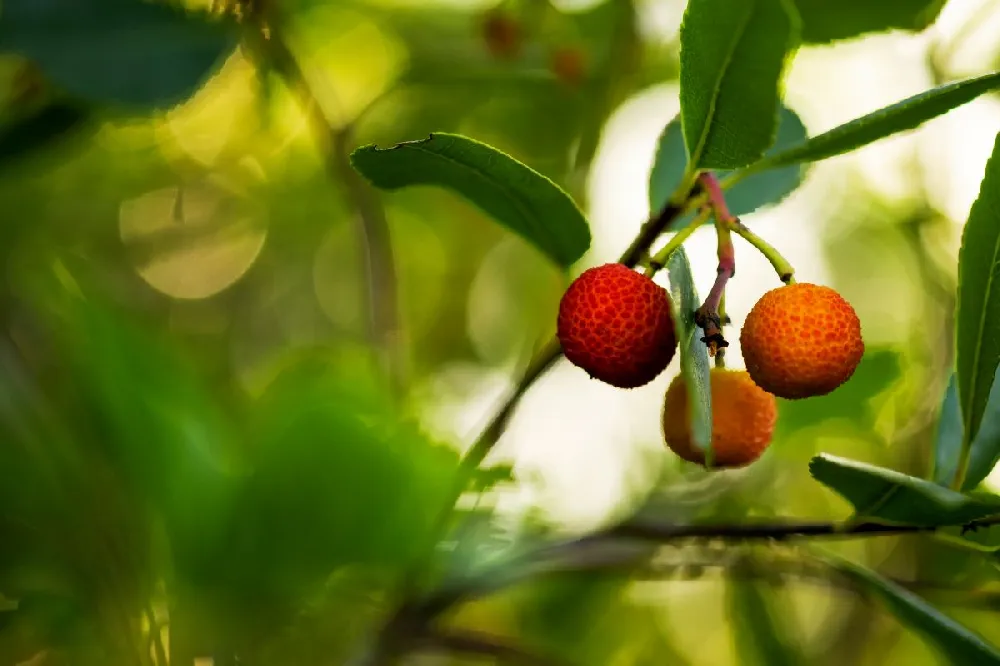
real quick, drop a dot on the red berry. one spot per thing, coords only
(503, 34)
(616, 324)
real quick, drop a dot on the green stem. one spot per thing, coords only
(784, 269)
(657, 262)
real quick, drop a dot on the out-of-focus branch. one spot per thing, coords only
(472, 642)
(334, 144)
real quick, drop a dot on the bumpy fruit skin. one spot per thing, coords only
(743, 419)
(616, 324)
(801, 341)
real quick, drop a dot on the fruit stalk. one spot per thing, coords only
(708, 316)
(657, 262)
(784, 269)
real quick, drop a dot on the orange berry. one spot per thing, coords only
(568, 65)
(801, 341)
(616, 324)
(503, 34)
(743, 418)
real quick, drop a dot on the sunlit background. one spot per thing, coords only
(217, 230)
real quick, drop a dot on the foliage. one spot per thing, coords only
(258, 467)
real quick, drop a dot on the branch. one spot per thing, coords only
(384, 330)
(473, 642)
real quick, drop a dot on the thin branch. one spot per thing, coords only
(384, 330)
(473, 642)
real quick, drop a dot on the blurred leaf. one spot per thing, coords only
(956, 642)
(746, 196)
(899, 117)
(154, 420)
(977, 335)
(517, 197)
(893, 497)
(41, 128)
(948, 442)
(759, 630)
(824, 21)
(878, 370)
(340, 478)
(732, 58)
(694, 354)
(130, 52)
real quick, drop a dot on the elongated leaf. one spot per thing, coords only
(948, 443)
(515, 195)
(732, 60)
(694, 355)
(760, 634)
(899, 117)
(746, 196)
(986, 446)
(129, 52)
(893, 497)
(824, 21)
(978, 311)
(958, 643)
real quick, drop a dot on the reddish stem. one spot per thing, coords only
(707, 316)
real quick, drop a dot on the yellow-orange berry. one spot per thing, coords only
(616, 324)
(743, 418)
(801, 341)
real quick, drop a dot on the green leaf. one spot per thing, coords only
(889, 496)
(746, 196)
(760, 632)
(129, 52)
(824, 21)
(40, 129)
(731, 63)
(515, 195)
(948, 442)
(977, 334)
(985, 448)
(694, 356)
(899, 117)
(959, 644)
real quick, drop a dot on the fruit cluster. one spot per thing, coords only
(799, 341)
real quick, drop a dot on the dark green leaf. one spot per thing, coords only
(978, 312)
(948, 442)
(825, 21)
(129, 52)
(889, 496)
(746, 196)
(760, 633)
(42, 128)
(515, 195)
(986, 446)
(732, 59)
(959, 644)
(899, 117)
(694, 356)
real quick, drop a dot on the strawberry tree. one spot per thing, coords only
(187, 533)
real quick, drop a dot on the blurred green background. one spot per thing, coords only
(201, 454)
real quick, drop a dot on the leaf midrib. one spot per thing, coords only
(707, 127)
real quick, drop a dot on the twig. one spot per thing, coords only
(473, 642)
(708, 316)
(384, 330)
